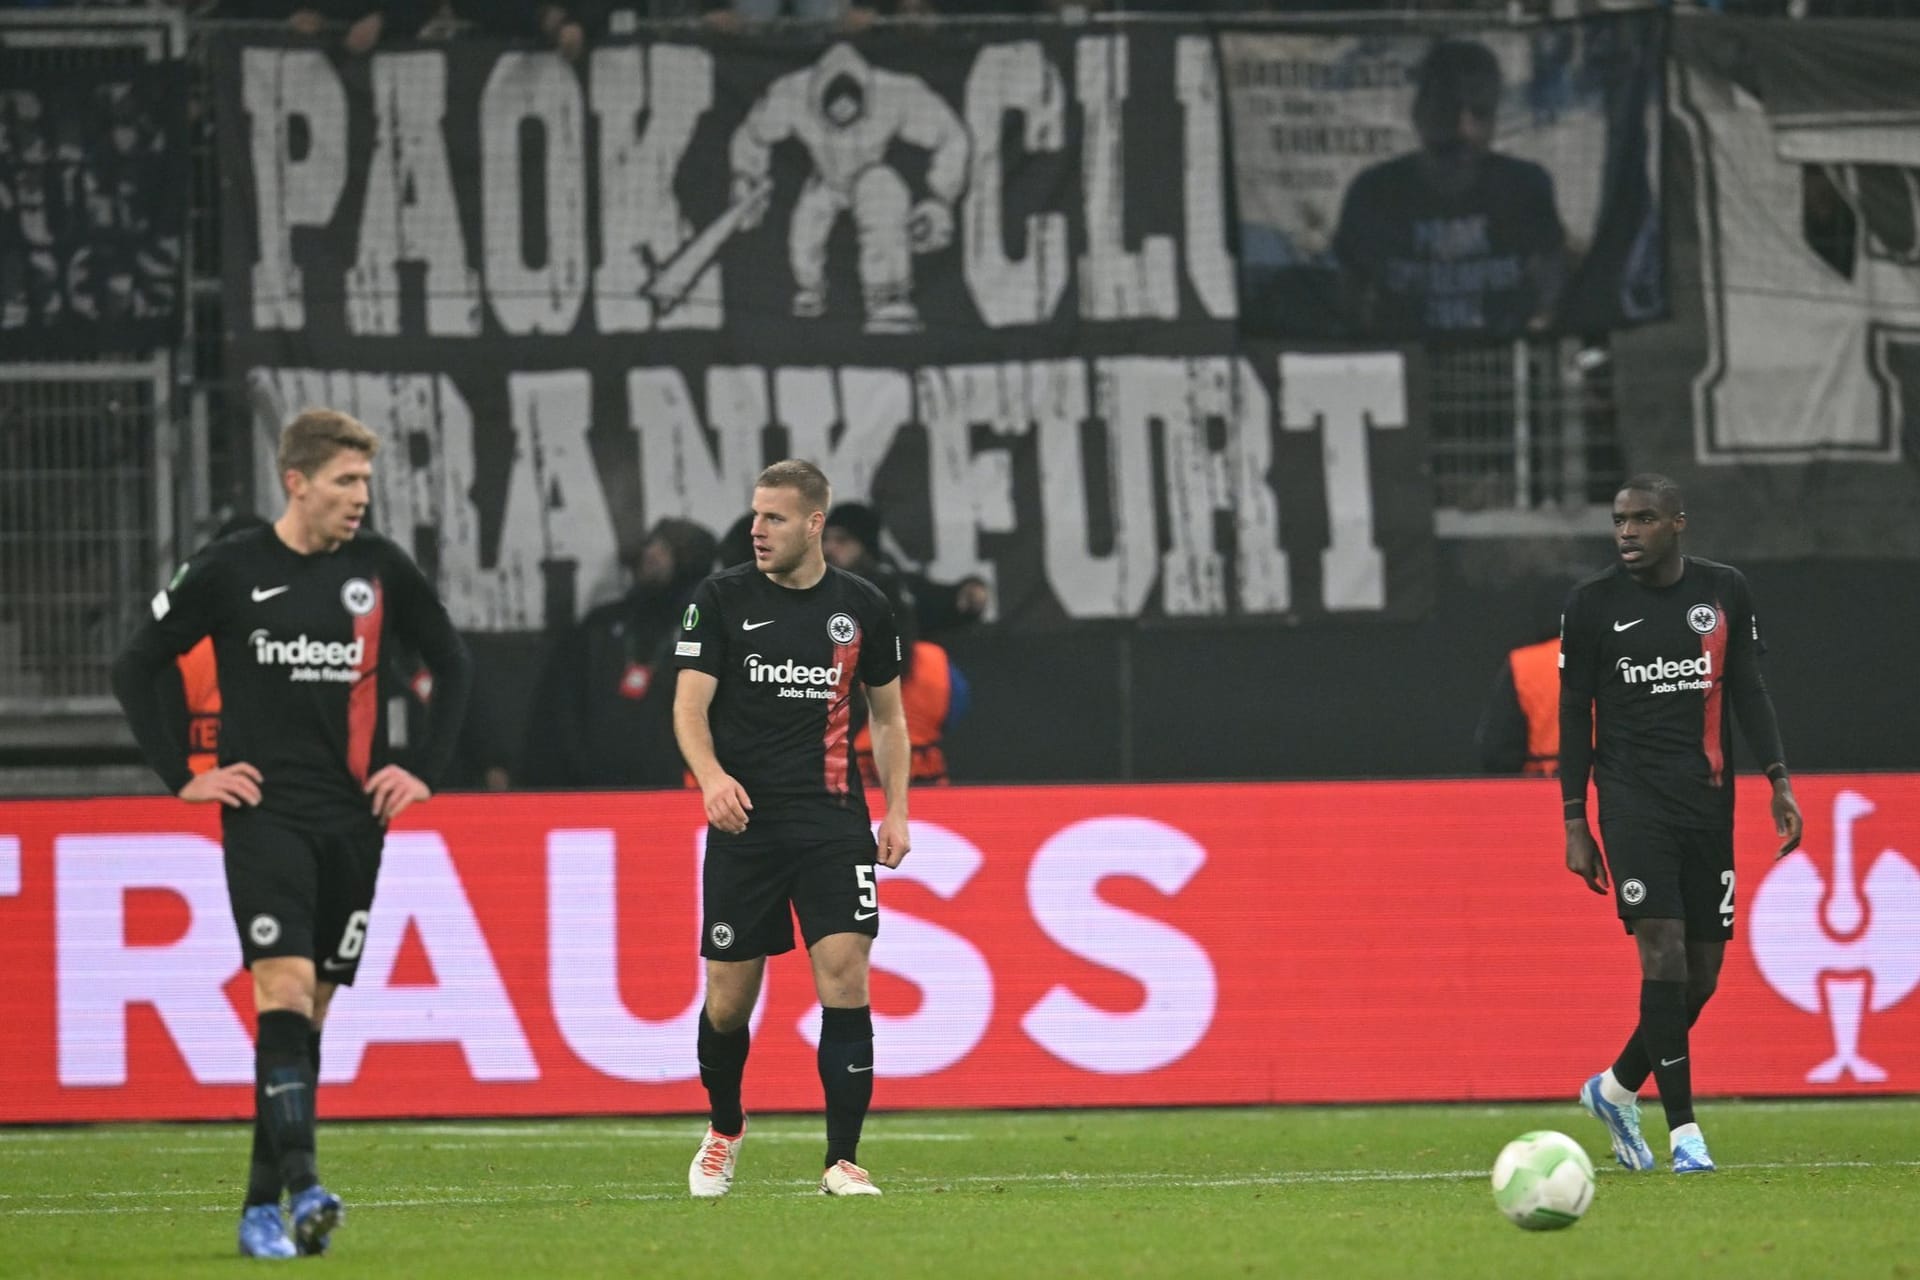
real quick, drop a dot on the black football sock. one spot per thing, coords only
(846, 1074)
(263, 1171)
(313, 1060)
(1633, 1066)
(283, 1094)
(723, 1061)
(1663, 1028)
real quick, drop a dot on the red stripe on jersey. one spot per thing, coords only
(1713, 646)
(839, 751)
(363, 703)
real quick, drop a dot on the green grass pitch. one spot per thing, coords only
(1816, 1189)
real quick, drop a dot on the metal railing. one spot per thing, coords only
(86, 497)
(1522, 437)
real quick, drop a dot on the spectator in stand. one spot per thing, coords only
(801, 10)
(1022, 8)
(1456, 239)
(603, 716)
(1519, 729)
(933, 691)
(622, 17)
(851, 541)
(731, 15)
(852, 17)
(364, 22)
(736, 544)
(478, 764)
(564, 26)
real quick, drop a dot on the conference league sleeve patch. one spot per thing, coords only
(701, 644)
(193, 602)
(163, 600)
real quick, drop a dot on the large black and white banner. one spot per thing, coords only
(1790, 380)
(984, 279)
(1807, 142)
(93, 208)
(1481, 185)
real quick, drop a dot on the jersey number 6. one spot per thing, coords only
(354, 937)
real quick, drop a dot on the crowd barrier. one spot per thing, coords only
(1042, 946)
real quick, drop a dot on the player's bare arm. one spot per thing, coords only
(726, 801)
(892, 757)
(1576, 748)
(1583, 855)
(394, 790)
(235, 785)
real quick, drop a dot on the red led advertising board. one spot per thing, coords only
(1041, 946)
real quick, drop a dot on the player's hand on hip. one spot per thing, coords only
(895, 840)
(727, 804)
(235, 785)
(1584, 860)
(394, 789)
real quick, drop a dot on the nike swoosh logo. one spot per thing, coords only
(1623, 626)
(275, 1090)
(1665, 1063)
(755, 626)
(331, 965)
(853, 1070)
(865, 915)
(267, 593)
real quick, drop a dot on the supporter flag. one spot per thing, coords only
(1481, 184)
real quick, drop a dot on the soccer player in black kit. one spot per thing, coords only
(1653, 653)
(764, 711)
(300, 612)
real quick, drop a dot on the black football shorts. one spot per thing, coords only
(751, 893)
(300, 891)
(1663, 872)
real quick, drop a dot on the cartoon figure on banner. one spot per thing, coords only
(847, 114)
(1822, 945)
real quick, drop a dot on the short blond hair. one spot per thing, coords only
(313, 439)
(816, 494)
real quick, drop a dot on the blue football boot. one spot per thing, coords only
(316, 1212)
(1623, 1127)
(1690, 1155)
(263, 1234)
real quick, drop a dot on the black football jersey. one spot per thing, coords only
(1662, 668)
(298, 641)
(784, 716)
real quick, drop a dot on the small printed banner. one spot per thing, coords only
(1480, 185)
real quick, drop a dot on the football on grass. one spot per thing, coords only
(1543, 1181)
